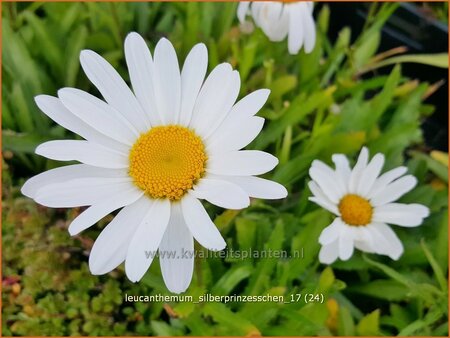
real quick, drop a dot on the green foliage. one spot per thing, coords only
(320, 104)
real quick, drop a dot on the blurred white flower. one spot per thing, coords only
(278, 20)
(363, 203)
(154, 152)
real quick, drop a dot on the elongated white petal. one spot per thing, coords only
(216, 97)
(394, 190)
(358, 170)
(329, 253)
(342, 168)
(309, 28)
(242, 10)
(250, 104)
(111, 246)
(67, 173)
(221, 193)
(53, 108)
(234, 135)
(147, 239)
(327, 182)
(140, 66)
(102, 208)
(200, 225)
(364, 240)
(113, 89)
(192, 76)
(83, 151)
(257, 187)
(370, 175)
(382, 182)
(242, 163)
(331, 233)
(176, 252)
(296, 29)
(346, 244)
(321, 199)
(97, 114)
(340, 185)
(80, 192)
(386, 237)
(167, 82)
(407, 215)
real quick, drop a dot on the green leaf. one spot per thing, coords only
(439, 60)
(382, 289)
(435, 266)
(230, 322)
(369, 325)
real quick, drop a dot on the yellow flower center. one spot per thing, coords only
(166, 161)
(355, 210)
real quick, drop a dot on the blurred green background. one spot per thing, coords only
(334, 100)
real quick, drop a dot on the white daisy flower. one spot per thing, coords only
(154, 152)
(278, 20)
(363, 202)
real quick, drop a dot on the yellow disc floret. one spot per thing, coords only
(355, 210)
(166, 161)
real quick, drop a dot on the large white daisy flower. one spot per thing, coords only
(278, 20)
(363, 202)
(155, 152)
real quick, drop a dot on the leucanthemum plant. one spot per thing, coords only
(363, 201)
(278, 20)
(154, 153)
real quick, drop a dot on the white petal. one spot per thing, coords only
(296, 32)
(382, 182)
(97, 114)
(390, 242)
(331, 233)
(111, 246)
(309, 29)
(147, 239)
(328, 182)
(200, 225)
(250, 104)
(408, 215)
(192, 76)
(339, 184)
(358, 170)
(241, 163)
(176, 252)
(258, 187)
(216, 97)
(346, 245)
(80, 191)
(321, 199)
(342, 169)
(168, 82)
(140, 66)
(370, 174)
(329, 253)
(394, 190)
(235, 135)
(221, 193)
(67, 173)
(113, 89)
(82, 151)
(53, 108)
(364, 240)
(243, 10)
(97, 211)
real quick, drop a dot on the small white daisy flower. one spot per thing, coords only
(363, 202)
(278, 20)
(154, 152)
